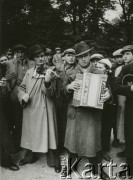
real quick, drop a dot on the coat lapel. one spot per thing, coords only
(32, 80)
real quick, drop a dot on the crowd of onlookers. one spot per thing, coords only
(37, 114)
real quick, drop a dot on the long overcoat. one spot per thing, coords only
(6, 143)
(83, 131)
(63, 72)
(125, 90)
(39, 129)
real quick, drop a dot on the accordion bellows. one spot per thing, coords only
(91, 89)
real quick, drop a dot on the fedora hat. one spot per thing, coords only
(82, 48)
(19, 47)
(35, 50)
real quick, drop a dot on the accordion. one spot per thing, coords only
(91, 88)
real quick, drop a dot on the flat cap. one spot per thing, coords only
(117, 52)
(48, 51)
(127, 48)
(58, 48)
(69, 51)
(96, 56)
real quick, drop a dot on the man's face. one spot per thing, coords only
(101, 67)
(39, 59)
(20, 55)
(48, 58)
(128, 57)
(9, 55)
(119, 60)
(94, 62)
(58, 51)
(70, 58)
(3, 59)
(84, 60)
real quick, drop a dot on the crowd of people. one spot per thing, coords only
(37, 114)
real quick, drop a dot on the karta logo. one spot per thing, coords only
(93, 172)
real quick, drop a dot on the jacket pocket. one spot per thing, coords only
(71, 113)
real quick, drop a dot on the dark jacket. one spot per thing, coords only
(124, 89)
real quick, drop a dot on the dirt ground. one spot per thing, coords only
(40, 170)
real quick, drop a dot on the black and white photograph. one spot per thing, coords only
(66, 89)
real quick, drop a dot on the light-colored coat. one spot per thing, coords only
(83, 131)
(39, 130)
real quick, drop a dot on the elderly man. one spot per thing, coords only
(83, 131)
(15, 72)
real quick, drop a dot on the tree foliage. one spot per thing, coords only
(64, 23)
(30, 22)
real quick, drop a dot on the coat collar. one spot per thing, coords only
(79, 69)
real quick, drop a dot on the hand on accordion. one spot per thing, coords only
(105, 96)
(75, 85)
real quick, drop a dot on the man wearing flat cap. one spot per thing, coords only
(83, 131)
(57, 59)
(64, 70)
(15, 72)
(95, 58)
(118, 60)
(124, 86)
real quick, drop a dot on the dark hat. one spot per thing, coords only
(69, 51)
(81, 48)
(19, 47)
(127, 48)
(58, 48)
(35, 50)
(48, 51)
